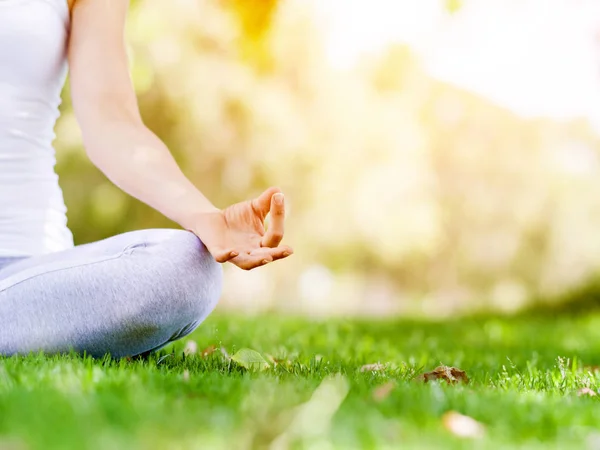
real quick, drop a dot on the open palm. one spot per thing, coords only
(237, 234)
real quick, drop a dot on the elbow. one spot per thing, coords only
(95, 156)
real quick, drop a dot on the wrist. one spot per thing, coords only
(194, 210)
(198, 219)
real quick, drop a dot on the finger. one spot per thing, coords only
(222, 256)
(282, 252)
(249, 262)
(262, 203)
(274, 253)
(274, 234)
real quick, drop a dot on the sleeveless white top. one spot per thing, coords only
(33, 66)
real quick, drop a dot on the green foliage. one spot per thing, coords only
(431, 197)
(525, 375)
(250, 359)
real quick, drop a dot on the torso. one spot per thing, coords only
(33, 65)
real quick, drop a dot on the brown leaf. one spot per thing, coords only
(586, 391)
(279, 361)
(451, 375)
(372, 367)
(383, 391)
(208, 351)
(462, 426)
(591, 369)
(191, 348)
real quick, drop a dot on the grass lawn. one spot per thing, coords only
(525, 374)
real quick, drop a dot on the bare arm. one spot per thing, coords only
(132, 157)
(115, 138)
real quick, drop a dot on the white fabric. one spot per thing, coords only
(33, 66)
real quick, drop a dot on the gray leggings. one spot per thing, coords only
(126, 295)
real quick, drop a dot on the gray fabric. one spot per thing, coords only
(6, 260)
(125, 295)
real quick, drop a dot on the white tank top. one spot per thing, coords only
(33, 65)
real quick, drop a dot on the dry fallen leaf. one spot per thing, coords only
(451, 375)
(191, 348)
(591, 369)
(208, 351)
(279, 361)
(383, 391)
(372, 367)
(462, 426)
(586, 391)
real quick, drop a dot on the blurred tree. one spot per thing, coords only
(400, 187)
(254, 18)
(453, 5)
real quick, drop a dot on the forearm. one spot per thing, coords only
(138, 162)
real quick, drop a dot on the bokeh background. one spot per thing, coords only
(438, 156)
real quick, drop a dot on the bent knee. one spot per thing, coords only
(186, 281)
(182, 246)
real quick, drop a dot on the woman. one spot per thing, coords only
(132, 293)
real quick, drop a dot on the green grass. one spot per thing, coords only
(525, 373)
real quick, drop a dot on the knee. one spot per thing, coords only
(200, 276)
(188, 279)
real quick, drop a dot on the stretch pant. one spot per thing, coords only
(126, 295)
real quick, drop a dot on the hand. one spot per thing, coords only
(237, 233)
